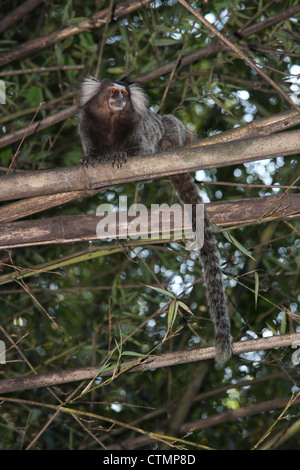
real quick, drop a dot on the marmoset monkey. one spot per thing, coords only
(116, 124)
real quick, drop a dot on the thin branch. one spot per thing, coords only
(70, 96)
(217, 45)
(253, 84)
(260, 127)
(113, 422)
(39, 126)
(186, 397)
(24, 136)
(18, 14)
(204, 423)
(80, 288)
(94, 21)
(8, 73)
(171, 406)
(233, 415)
(143, 78)
(145, 364)
(108, 20)
(269, 50)
(256, 15)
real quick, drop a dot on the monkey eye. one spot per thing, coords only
(113, 90)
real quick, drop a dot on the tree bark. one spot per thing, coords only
(180, 160)
(145, 364)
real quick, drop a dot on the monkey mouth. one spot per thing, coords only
(116, 104)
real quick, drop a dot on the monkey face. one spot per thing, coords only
(117, 97)
(99, 97)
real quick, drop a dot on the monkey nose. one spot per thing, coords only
(117, 102)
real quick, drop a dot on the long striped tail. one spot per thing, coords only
(210, 259)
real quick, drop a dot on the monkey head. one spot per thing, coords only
(111, 96)
(110, 114)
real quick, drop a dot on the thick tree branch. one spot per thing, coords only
(74, 228)
(143, 365)
(258, 128)
(180, 160)
(33, 205)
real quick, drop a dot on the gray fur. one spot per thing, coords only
(210, 259)
(139, 99)
(136, 130)
(90, 87)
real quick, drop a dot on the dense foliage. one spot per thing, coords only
(74, 316)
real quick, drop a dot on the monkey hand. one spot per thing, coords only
(87, 160)
(119, 158)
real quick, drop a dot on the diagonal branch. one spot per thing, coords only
(18, 13)
(228, 416)
(218, 45)
(145, 364)
(48, 40)
(38, 126)
(239, 53)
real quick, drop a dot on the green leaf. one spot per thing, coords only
(185, 307)
(66, 11)
(34, 96)
(125, 38)
(166, 42)
(219, 103)
(5, 155)
(161, 291)
(172, 313)
(135, 354)
(233, 240)
(115, 70)
(164, 29)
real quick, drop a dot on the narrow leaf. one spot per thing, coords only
(256, 277)
(162, 291)
(233, 240)
(185, 307)
(135, 354)
(283, 323)
(173, 309)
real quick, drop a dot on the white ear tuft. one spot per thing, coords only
(139, 99)
(89, 88)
